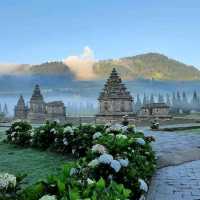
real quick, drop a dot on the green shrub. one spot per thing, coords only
(116, 162)
(20, 133)
(9, 186)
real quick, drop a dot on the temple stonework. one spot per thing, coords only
(159, 110)
(38, 110)
(20, 109)
(114, 101)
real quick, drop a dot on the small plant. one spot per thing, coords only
(19, 133)
(9, 186)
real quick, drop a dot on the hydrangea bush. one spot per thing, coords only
(113, 159)
(20, 133)
(9, 186)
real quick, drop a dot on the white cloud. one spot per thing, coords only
(82, 65)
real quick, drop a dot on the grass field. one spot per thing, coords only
(36, 164)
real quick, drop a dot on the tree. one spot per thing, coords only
(138, 103)
(168, 101)
(145, 99)
(152, 98)
(160, 98)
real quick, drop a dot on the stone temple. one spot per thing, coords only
(38, 110)
(114, 101)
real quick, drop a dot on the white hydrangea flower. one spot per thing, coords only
(13, 139)
(16, 121)
(90, 181)
(73, 171)
(98, 148)
(48, 197)
(53, 130)
(106, 158)
(108, 124)
(107, 130)
(73, 151)
(13, 134)
(65, 142)
(115, 164)
(116, 127)
(69, 130)
(124, 162)
(42, 131)
(96, 135)
(142, 197)
(93, 126)
(57, 121)
(124, 129)
(31, 141)
(121, 136)
(93, 163)
(7, 180)
(32, 133)
(140, 141)
(17, 127)
(56, 140)
(111, 134)
(143, 185)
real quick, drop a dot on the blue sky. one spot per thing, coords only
(34, 31)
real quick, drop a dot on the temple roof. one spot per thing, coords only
(114, 88)
(21, 101)
(37, 94)
(155, 105)
(55, 103)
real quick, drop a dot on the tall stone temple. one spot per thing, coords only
(38, 110)
(114, 101)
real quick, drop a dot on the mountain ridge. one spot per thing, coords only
(143, 66)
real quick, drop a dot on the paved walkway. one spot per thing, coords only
(176, 183)
(178, 174)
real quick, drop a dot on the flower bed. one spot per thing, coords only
(115, 162)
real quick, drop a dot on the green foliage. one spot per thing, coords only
(19, 133)
(112, 161)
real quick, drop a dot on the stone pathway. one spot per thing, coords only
(176, 183)
(178, 174)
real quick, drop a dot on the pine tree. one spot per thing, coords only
(195, 101)
(145, 101)
(160, 98)
(5, 110)
(152, 98)
(168, 102)
(138, 103)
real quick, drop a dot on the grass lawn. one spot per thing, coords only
(36, 164)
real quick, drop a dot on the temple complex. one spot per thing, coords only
(38, 110)
(114, 101)
(158, 110)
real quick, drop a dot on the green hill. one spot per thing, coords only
(50, 68)
(148, 66)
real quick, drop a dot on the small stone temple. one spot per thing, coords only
(160, 110)
(114, 101)
(38, 110)
(21, 109)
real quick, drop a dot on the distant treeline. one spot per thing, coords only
(179, 102)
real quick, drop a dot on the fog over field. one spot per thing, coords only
(80, 96)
